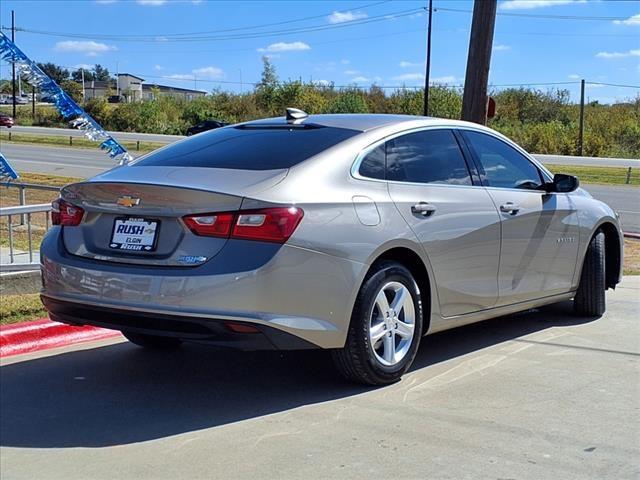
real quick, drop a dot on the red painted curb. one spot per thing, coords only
(631, 235)
(26, 337)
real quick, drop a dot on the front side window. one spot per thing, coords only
(502, 165)
(428, 156)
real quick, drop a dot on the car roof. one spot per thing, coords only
(358, 121)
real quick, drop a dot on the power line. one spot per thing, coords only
(206, 32)
(612, 84)
(537, 15)
(251, 35)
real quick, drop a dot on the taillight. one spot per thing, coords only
(65, 214)
(210, 225)
(267, 224)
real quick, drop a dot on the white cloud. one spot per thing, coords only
(345, 62)
(531, 4)
(632, 20)
(285, 47)
(409, 77)
(444, 79)
(594, 85)
(84, 66)
(574, 76)
(405, 64)
(180, 76)
(88, 47)
(322, 83)
(211, 73)
(341, 17)
(161, 39)
(105, 2)
(501, 48)
(196, 2)
(204, 73)
(158, 67)
(360, 80)
(613, 55)
(351, 72)
(151, 3)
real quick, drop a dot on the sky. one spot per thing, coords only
(219, 44)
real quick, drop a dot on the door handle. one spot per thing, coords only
(423, 208)
(510, 207)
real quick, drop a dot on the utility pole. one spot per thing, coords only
(581, 132)
(84, 99)
(474, 99)
(13, 63)
(428, 63)
(33, 102)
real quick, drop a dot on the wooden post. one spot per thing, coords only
(428, 63)
(581, 130)
(474, 99)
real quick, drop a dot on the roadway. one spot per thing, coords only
(80, 162)
(164, 139)
(542, 394)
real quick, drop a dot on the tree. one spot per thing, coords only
(266, 89)
(269, 76)
(88, 75)
(58, 74)
(73, 89)
(5, 87)
(101, 73)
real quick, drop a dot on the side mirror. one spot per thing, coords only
(562, 183)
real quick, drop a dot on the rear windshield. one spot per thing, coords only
(248, 148)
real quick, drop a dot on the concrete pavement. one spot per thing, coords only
(542, 394)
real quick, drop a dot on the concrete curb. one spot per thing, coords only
(26, 337)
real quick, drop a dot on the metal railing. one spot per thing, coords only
(22, 192)
(24, 211)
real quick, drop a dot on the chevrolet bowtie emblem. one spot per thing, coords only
(127, 201)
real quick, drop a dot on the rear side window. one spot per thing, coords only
(429, 156)
(501, 164)
(373, 163)
(253, 148)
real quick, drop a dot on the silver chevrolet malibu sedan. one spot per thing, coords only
(354, 233)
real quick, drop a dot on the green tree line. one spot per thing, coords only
(540, 121)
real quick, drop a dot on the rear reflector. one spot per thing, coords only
(267, 224)
(65, 214)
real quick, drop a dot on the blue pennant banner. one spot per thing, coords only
(6, 170)
(67, 107)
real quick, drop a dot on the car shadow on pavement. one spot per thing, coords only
(120, 394)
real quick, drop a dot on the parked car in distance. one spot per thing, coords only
(358, 234)
(204, 126)
(6, 120)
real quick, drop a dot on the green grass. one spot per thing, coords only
(77, 142)
(599, 175)
(21, 308)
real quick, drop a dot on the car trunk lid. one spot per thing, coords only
(134, 215)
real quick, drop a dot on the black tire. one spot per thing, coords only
(357, 361)
(152, 341)
(590, 297)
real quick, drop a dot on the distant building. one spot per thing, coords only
(133, 89)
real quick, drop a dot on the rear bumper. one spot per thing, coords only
(296, 291)
(215, 332)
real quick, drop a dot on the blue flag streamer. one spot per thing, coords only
(6, 170)
(67, 107)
